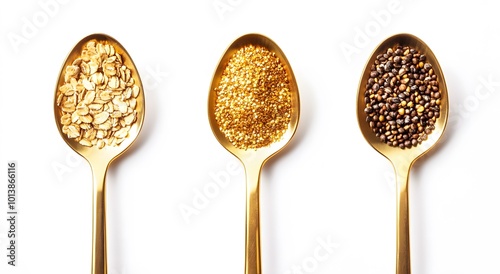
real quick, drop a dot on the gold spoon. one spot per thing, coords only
(403, 159)
(253, 159)
(100, 158)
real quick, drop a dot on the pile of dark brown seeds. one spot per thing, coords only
(402, 97)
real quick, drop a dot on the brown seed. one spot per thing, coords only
(402, 97)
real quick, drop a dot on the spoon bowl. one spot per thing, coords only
(253, 159)
(100, 158)
(403, 159)
(395, 153)
(262, 153)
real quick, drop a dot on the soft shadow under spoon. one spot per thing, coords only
(100, 93)
(402, 159)
(252, 158)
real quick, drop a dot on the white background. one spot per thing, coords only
(329, 185)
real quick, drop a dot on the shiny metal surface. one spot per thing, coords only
(100, 159)
(403, 159)
(253, 160)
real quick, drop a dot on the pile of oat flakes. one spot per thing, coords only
(98, 99)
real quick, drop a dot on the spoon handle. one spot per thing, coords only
(99, 263)
(402, 219)
(252, 237)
